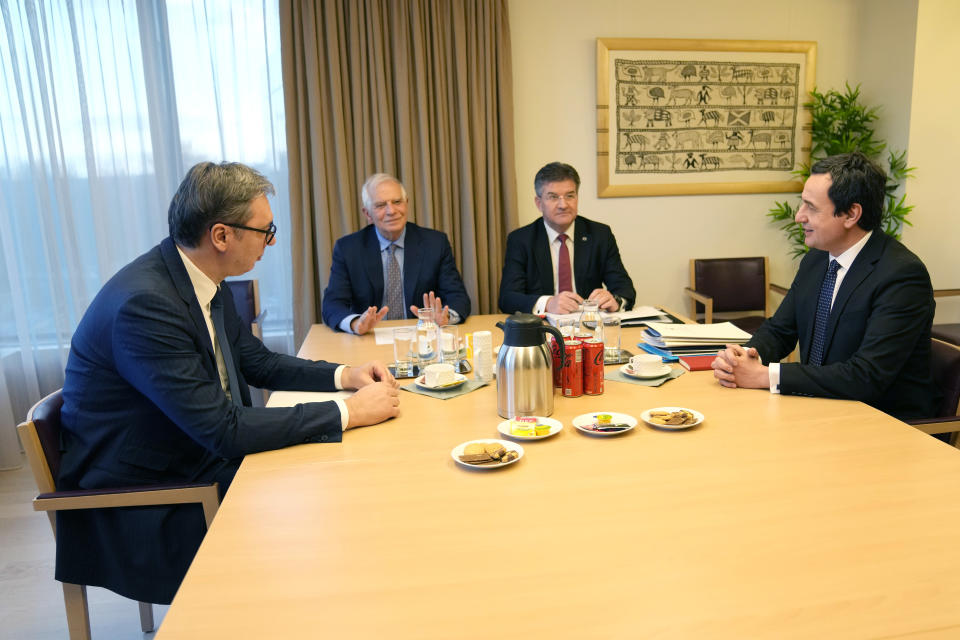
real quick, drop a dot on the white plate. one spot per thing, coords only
(645, 416)
(627, 370)
(555, 427)
(509, 446)
(585, 421)
(458, 379)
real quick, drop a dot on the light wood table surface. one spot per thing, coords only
(779, 517)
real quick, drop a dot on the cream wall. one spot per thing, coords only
(934, 141)
(554, 75)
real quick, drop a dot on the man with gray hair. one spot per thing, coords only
(156, 388)
(389, 266)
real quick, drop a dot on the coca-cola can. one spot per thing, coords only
(573, 368)
(557, 351)
(593, 367)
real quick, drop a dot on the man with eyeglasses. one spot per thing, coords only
(156, 388)
(389, 267)
(553, 264)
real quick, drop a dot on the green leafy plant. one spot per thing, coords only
(840, 124)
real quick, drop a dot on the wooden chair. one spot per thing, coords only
(731, 285)
(945, 366)
(949, 332)
(40, 436)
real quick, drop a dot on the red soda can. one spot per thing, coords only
(557, 351)
(593, 367)
(573, 368)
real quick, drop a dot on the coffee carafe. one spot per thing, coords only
(524, 374)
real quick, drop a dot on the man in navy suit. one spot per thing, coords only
(418, 260)
(874, 298)
(156, 388)
(553, 264)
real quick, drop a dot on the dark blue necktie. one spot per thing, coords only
(823, 313)
(216, 314)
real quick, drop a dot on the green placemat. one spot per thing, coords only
(472, 384)
(615, 375)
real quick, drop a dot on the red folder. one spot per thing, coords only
(697, 363)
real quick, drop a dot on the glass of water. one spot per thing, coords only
(450, 345)
(611, 338)
(405, 350)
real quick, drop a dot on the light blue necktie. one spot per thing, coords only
(216, 314)
(823, 314)
(394, 297)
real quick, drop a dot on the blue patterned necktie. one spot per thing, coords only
(216, 314)
(823, 313)
(394, 298)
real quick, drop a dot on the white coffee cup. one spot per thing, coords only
(646, 364)
(438, 374)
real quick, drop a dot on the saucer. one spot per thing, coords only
(458, 379)
(509, 446)
(555, 427)
(585, 423)
(698, 418)
(627, 370)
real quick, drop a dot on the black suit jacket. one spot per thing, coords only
(143, 404)
(528, 268)
(878, 338)
(356, 274)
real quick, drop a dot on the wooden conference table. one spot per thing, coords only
(779, 517)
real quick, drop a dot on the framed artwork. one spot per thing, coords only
(701, 116)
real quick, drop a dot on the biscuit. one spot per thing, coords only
(495, 450)
(476, 458)
(474, 448)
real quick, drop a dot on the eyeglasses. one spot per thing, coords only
(270, 232)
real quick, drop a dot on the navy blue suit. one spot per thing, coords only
(356, 274)
(528, 267)
(143, 404)
(877, 346)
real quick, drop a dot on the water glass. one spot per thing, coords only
(611, 338)
(450, 345)
(405, 350)
(591, 326)
(427, 336)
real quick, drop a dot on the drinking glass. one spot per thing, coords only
(450, 346)
(611, 338)
(591, 325)
(404, 350)
(427, 336)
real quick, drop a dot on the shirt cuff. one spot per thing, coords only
(345, 323)
(454, 316)
(336, 376)
(541, 305)
(774, 370)
(344, 414)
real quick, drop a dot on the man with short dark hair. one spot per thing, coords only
(861, 305)
(389, 266)
(156, 388)
(554, 263)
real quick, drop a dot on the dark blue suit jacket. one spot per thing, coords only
(528, 268)
(356, 274)
(143, 404)
(877, 346)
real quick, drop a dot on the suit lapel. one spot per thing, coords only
(373, 263)
(583, 247)
(863, 265)
(541, 256)
(178, 274)
(411, 266)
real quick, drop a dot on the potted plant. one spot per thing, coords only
(840, 124)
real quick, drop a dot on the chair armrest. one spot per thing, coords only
(205, 494)
(945, 424)
(707, 302)
(778, 289)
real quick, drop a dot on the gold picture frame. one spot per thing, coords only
(682, 116)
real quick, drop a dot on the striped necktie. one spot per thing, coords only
(394, 282)
(823, 314)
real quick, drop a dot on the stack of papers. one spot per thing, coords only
(627, 318)
(687, 337)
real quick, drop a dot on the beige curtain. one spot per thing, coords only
(421, 89)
